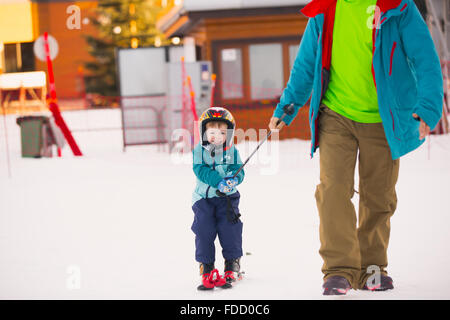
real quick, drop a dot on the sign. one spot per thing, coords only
(39, 48)
(229, 55)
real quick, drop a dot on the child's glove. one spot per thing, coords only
(224, 187)
(231, 182)
(227, 184)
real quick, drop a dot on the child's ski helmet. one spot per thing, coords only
(217, 114)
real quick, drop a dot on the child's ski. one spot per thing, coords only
(215, 280)
(233, 278)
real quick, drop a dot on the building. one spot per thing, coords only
(23, 21)
(252, 45)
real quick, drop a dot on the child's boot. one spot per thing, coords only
(206, 272)
(232, 271)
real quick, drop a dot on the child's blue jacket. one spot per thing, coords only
(210, 171)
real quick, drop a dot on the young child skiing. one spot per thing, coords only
(215, 199)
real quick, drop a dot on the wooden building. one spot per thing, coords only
(23, 21)
(252, 45)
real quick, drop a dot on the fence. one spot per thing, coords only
(143, 120)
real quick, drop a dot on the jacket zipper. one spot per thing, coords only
(214, 168)
(374, 40)
(392, 57)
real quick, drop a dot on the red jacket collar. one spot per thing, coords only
(386, 5)
(316, 7)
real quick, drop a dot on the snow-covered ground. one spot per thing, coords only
(115, 225)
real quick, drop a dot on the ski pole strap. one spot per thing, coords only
(231, 214)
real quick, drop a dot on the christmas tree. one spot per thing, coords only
(120, 24)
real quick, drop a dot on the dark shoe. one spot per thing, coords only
(205, 271)
(232, 272)
(232, 269)
(386, 283)
(336, 285)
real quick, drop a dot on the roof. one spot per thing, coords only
(202, 5)
(181, 17)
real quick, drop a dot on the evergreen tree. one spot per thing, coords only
(120, 24)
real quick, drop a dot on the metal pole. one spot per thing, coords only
(6, 140)
(183, 93)
(445, 54)
(53, 105)
(213, 88)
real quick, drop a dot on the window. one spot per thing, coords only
(266, 70)
(19, 57)
(231, 69)
(251, 71)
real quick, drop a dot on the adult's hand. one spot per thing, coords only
(424, 129)
(273, 124)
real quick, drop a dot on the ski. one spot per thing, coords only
(233, 278)
(214, 280)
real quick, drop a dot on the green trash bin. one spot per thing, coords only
(32, 135)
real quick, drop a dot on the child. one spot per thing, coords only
(216, 160)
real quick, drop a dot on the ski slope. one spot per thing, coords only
(115, 225)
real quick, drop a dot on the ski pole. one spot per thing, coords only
(288, 110)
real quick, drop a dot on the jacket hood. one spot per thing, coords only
(316, 7)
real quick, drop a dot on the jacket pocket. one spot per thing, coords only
(395, 127)
(394, 45)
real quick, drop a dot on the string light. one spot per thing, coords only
(158, 42)
(176, 40)
(134, 43)
(117, 30)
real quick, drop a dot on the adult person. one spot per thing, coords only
(377, 90)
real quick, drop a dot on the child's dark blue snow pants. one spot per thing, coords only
(210, 220)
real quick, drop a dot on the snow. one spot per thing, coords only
(115, 225)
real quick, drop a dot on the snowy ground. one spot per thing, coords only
(118, 224)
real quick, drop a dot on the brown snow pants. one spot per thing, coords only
(351, 247)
